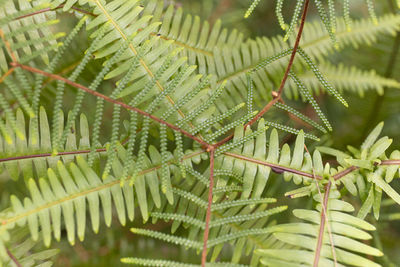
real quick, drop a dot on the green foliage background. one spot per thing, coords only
(365, 70)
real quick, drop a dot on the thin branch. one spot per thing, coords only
(208, 215)
(288, 68)
(44, 10)
(343, 173)
(324, 209)
(390, 162)
(109, 99)
(8, 46)
(43, 155)
(322, 225)
(277, 96)
(350, 169)
(5, 75)
(13, 258)
(275, 167)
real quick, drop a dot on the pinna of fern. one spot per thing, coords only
(27, 252)
(328, 18)
(339, 243)
(18, 156)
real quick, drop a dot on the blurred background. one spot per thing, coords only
(351, 125)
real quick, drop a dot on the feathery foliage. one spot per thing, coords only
(138, 112)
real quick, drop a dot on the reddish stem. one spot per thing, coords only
(44, 10)
(343, 173)
(50, 154)
(322, 225)
(109, 99)
(275, 167)
(289, 66)
(9, 72)
(208, 215)
(13, 258)
(278, 95)
(390, 162)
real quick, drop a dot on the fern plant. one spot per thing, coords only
(139, 113)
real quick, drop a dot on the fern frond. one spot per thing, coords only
(113, 17)
(304, 243)
(326, 21)
(307, 95)
(10, 119)
(15, 28)
(168, 238)
(53, 63)
(346, 15)
(58, 137)
(373, 177)
(234, 203)
(232, 66)
(371, 11)
(294, 21)
(12, 86)
(68, 189)
(211, 138)
(216, 119)
(253, 216)
(251, 8)
(349, 78)
(150, 59)
(27, 252)
(228, 217)
(198, 38)
(300, 116)
(33, 153)
(278, 12)
(320, 77)
(332, 15)
(252, 161)
(165, 263)
(364, 31)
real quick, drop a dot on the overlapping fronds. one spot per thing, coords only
(373, 170)
(29, 37)
(216, 59)
(364, 32)
(166, 263)
(326, 11)
(172, 99)
(60, 200)
(342, 238)
(232, 65)
(30, 154)
(27, 252)
(230, 215)
(253, 160)
(67, 190)
(266, 59)
(349, 79)
(216, 40)
(151, 78)
(199, 39)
